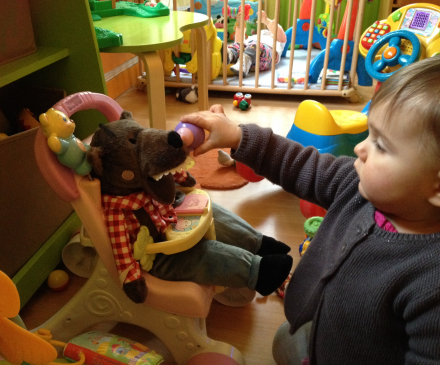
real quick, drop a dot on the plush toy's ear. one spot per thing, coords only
(94, 155)
(126, 115)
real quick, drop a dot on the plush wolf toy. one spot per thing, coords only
(138, 167)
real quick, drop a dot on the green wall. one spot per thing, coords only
(371, 11)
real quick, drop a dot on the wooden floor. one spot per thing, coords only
(267, 207)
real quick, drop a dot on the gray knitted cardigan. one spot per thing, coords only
(373, 295)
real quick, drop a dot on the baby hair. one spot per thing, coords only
(413, 94)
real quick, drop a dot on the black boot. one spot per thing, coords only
(270, 246)
(274, 269)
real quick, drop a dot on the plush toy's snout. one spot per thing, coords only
(125, 157)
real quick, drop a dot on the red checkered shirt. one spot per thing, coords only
(123, 226)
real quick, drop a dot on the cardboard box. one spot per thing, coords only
(16, 33)
(30, 212)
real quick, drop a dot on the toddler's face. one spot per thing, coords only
(395, 168)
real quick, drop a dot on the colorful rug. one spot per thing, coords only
(211, 175)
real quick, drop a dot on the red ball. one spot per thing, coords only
(247, 173)
(309, 210)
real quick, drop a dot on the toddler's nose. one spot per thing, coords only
(360, 150)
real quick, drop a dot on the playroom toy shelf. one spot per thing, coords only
(24, 66)
(35, 224)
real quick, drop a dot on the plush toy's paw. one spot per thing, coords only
(136, 290)
(180, 197)
(189, 182)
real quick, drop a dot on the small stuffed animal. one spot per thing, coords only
(141, 82)
(137, 167)
(188, 95)
(71, 152)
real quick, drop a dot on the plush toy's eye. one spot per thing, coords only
(65, 119)
(134, 136)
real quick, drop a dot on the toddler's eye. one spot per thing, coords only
(378, 146)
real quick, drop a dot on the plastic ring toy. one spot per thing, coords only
(191, 135)
(392, 56)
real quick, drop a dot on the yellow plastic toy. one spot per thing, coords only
(16, 343)
(185, 48)
(421, 19)
(71, 152)
(335, 131)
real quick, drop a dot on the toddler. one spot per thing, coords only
(367, 290)
(250, 47)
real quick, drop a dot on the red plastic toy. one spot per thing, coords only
(233, 12)
(242, 101)
(309, 210)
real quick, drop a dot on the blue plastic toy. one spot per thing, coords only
(392, 55)
(336, 49)
(336, 131)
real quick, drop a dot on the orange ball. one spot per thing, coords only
(58, 280)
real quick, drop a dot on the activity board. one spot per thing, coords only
(421, 19)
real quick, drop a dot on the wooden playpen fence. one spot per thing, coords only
(350, 29)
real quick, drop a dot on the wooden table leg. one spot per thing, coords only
(202, 74)
(155, 89)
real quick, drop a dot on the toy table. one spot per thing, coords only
(144, 36)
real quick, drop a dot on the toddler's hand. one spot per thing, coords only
(223, 132)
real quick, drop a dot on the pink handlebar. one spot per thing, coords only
(58, 176)
(88, 100)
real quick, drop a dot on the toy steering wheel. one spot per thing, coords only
(392, 56)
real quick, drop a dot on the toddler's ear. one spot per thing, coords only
(434, 199)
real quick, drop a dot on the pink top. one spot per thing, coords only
(383, 223)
